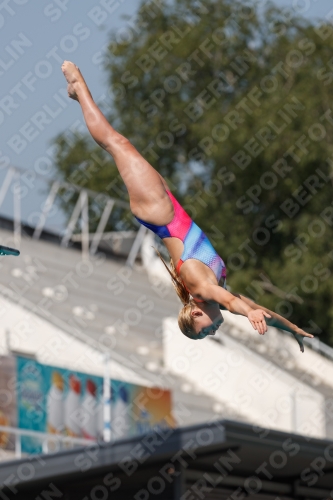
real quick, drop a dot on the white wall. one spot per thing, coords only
(310, 363)
(245, 381)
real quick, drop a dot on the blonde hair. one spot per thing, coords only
(185, 318)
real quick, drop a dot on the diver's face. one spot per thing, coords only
(207, 319)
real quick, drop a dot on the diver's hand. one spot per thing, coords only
(257, 320)
(299, 331)
(299, 334)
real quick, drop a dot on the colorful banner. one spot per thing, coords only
(30, 402)
(58, 401)
(137, 410)
(8, 408)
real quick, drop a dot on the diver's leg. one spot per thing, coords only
(146, 187)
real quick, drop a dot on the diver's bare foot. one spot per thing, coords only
(74, 79)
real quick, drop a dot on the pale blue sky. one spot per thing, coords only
(31, 80)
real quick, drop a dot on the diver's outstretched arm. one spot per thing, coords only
(258, 316)
(275, 320)
(279, 321)
(233, 303)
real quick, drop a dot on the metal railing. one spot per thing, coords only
(316, 345)
(50, 443)
(16, 178)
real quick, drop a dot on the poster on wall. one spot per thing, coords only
(8, 409)
(136, 409)
(54, 400)
(57, 401)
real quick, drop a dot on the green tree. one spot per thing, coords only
(232, 103)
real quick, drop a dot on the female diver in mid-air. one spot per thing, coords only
(195, 267)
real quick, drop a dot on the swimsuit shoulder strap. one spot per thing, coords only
(179, 265)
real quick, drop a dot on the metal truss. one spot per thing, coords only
(79, 218)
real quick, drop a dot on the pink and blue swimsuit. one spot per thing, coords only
(196, 244)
